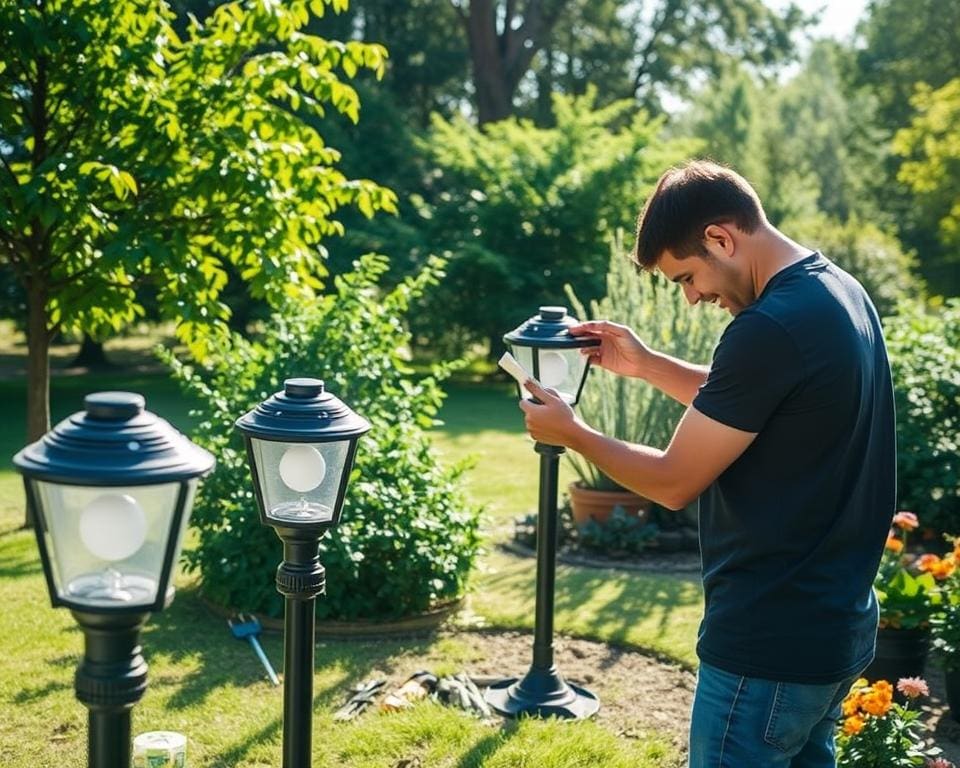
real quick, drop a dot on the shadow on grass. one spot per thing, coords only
(488, 746)
(233, 755)
(30, 695)
(611, 602)
(19, 558)
(190, 635)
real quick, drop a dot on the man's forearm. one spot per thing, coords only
(674, 377)
(640, 468)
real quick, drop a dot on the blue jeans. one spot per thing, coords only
(746, 722)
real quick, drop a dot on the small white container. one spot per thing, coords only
(160, 749)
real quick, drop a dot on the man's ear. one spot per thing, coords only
(718, 240)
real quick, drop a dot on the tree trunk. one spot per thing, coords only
(494, 97)
(91, 355)
(38, 371)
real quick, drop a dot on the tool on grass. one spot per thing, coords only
(363, 696)
(246, 627)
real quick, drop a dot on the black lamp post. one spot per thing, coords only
(111, 489)
(544, 346)
(300, 444)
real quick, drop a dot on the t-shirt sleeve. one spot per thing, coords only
(755, 366)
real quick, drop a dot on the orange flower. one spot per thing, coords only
(876, 699)
(894, 544)
(851, 704)
(906, 521)
(944, 569)
(940, 568)
(853, 725)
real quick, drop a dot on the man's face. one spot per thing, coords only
(709, 279)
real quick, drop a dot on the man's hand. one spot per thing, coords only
(620, 350)
(551, 421)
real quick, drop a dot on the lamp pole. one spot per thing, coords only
(545, 344)
(300, 578)
(301, 444)
(111, 678)
(111, 488)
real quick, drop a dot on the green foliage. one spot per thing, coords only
(930, 146)
(870, 254)
(408, 537)
(522, 210)
(621, 534)
(946, 624)
(808, 147)
(909, 597)
(628, 409)
(907, 42)
(924, 347)
(134, 156)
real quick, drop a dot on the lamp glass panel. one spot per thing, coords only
(562, 370)
(524, 356)
(106, 544)
(300, 481)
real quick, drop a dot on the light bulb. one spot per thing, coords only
(554, 369)
(302, 468)
(113, 526)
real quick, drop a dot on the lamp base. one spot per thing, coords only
(541, 693)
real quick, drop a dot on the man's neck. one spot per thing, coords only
(773, 252)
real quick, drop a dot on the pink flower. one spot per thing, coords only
(906, 521)
(940, 763)
(912, 687)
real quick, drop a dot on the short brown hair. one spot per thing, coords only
(685, 201)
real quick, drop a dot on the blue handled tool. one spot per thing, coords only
(248, 628)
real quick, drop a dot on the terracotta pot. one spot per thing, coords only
(900, 653)
(588, 503)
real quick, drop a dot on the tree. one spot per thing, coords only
(136, 160)
(520, 210)
(907, 42)
(930, 148)
(664, 46)
(503, 40)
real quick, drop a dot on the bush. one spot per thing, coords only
(408, 538)
(924, 347)
(871, 255)
(522, 210)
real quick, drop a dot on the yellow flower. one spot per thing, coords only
(853, 725)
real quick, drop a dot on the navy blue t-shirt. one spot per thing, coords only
(792, 532)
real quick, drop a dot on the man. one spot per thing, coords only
(789, 443)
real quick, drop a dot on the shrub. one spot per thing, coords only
(521, 210)
(924, 347)
(408, 538)
(871, 255)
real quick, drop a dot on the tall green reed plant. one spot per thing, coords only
(627, 408)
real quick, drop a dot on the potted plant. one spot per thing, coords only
(876, 732)
(946, 624)
(909, 597)
(631, 409)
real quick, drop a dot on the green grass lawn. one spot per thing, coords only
(206, 685)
